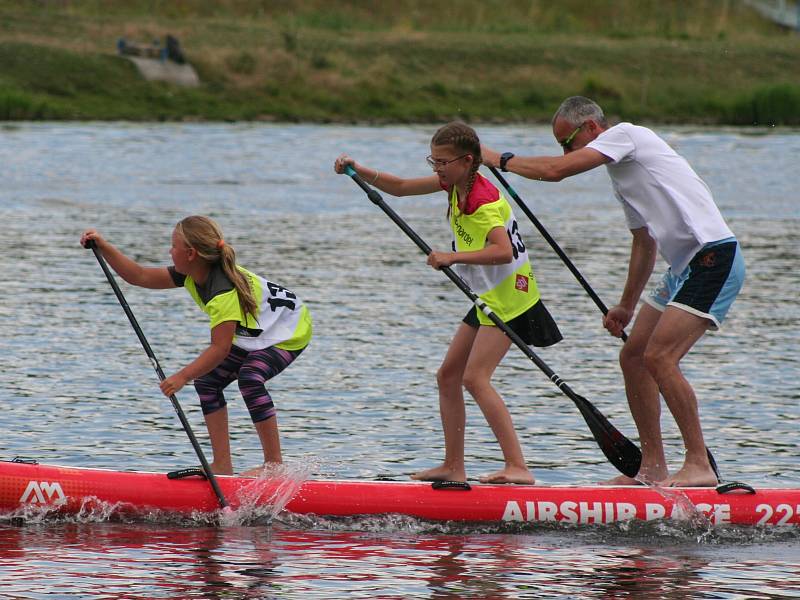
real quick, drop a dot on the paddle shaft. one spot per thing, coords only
(620, 451)
(554, 245)
(154, 361)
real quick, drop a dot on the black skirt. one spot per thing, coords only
(535, 326)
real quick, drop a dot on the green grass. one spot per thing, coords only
(696, 61)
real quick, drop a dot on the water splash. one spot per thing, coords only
(261, 501)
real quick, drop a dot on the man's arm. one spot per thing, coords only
(640, 266)
(548, 168)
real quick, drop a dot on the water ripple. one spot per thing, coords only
(362, 402)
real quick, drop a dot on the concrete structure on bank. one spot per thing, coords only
(160, 63)
(786, 14)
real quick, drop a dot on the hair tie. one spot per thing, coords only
(220, 244)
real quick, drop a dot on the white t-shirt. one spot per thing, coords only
(659, 190)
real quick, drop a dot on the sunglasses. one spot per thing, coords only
(567, 143)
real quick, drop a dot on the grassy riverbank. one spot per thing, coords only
(693, 61)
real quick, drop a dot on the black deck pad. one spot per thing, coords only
(451, 485)
(187, 472)
(735, 486)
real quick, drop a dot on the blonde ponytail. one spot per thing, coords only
(205, 236)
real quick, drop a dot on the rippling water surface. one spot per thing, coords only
(361, 402)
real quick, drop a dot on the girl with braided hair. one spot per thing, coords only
(488, 252)
(258, 328)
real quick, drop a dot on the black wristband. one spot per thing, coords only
(504, 158)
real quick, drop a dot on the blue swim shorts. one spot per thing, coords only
(708, 286)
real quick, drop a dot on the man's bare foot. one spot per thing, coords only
(646, 476)
(691, 476)
(440, 473)
(517, 475)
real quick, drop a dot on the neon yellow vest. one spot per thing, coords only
(510, 289)
(282, 319)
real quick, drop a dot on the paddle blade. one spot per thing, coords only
(619, 450)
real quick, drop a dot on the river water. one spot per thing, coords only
(361, 402)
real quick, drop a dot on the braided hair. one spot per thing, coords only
(205, 236)
(464, 139)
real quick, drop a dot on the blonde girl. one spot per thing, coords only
(258, 328)
(489, 254)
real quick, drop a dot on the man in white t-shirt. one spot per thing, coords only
(669, 210)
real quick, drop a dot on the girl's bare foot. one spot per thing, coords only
(440, 473)
(517, 475)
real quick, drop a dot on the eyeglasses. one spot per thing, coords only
(567, 143)
(438, 163)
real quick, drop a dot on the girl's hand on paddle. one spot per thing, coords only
(440, 259)
(172, 384)
(342, 162)
(617, 319)
(92, 234)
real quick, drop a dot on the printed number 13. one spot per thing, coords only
(517, 245)
(275, 301)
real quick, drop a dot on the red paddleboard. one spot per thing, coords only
(69, 490)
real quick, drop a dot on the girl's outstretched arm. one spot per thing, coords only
(386, 182)
(129, 269)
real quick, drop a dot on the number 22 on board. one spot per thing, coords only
(784, 511)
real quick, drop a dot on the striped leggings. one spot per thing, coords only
(252, 369)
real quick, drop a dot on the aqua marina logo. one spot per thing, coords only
(42, 492)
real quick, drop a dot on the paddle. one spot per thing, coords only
(620, 451)
(573, 269)
(154, 361)
(554, 245)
